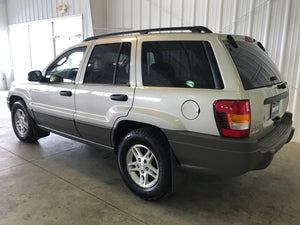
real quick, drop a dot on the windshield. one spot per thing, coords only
(255, 67)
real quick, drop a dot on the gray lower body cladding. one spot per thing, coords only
(228, 156)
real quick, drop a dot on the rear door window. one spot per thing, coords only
(109, 64)
(178, 64)
(255, 67)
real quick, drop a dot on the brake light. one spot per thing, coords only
(249, 39)
(233, 117)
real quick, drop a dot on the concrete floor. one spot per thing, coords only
(60, 181)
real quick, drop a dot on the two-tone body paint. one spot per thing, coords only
(90, 113)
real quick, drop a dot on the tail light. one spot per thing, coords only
(249, 39)
(233, 117)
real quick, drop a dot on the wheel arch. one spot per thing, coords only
(13, 99)
(126, 126)
(135, 119)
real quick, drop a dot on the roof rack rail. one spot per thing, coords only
(195, 29)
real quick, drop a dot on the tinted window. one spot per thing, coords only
(255, 67)
(102, 63)
(103, 68)
(122, 73)
(177, 64)
(66, 66)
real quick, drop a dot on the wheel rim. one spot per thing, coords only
(21, 122)
(142, 166)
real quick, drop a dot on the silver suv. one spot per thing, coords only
(161, 99)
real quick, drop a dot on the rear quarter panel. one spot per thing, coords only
(162, 106)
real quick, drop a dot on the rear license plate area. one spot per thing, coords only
(275, 106)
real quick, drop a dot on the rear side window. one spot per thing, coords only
(255, 67)
(109, 64)
(178, 64)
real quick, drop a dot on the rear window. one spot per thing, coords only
(255, 67)
(178, 64)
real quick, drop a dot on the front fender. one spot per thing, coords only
(19, 90)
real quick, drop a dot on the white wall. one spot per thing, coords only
(46, 38)
(275, 23)
(6, 75)
(99, 16)
(23, 11)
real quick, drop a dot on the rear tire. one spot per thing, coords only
(145, 164)
(22, 123)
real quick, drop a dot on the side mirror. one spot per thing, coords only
(35, 75)
(56, 79)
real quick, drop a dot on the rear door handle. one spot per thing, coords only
(119, 97)
(65, 93)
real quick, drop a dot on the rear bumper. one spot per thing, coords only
(220, 155)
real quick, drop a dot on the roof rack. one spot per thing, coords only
(195, 29)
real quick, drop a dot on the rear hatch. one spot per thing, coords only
(261, 79)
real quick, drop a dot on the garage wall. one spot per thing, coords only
(6, 75)
(99, 16)
(32, 10)
(274, 22)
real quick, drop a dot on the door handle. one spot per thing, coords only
(66, 93)
(119, 97)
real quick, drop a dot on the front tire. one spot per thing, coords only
(145, 164)
(22, 122)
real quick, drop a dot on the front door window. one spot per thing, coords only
(65, 68)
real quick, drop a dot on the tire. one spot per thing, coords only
(145, 164)
(22, 123)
